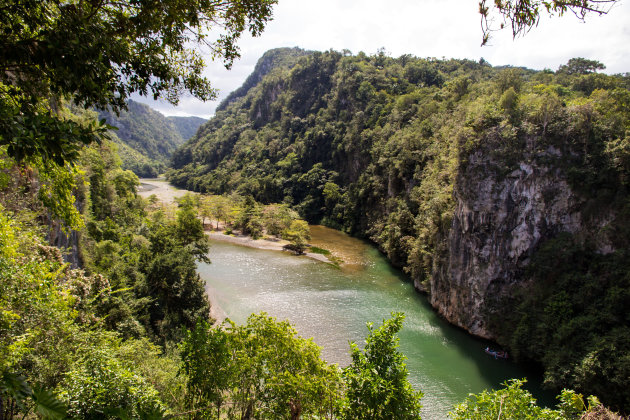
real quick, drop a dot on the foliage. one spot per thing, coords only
(186, 126)
(572, 319)
(48, 329)
(522, 15)
(297, 234)
(376, 380)
(48, 49)
(146, 138)
(513, 402)
(581, 65)
(100, 388)
(148, 259)
(261, 369)
(20, 394)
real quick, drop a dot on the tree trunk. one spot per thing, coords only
(296, 409)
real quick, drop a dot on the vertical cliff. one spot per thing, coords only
(502, 192)
(498, 223)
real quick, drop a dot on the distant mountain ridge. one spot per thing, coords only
(148, 138)
(186, 126)
(277, 57)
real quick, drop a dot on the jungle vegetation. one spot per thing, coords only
(117, 328)
(146, 138)
(377, 146)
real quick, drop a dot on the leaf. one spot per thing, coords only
(47, 405)
(16, 386)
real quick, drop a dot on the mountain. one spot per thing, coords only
(149, 134)
(186, 126)
(275, 58)
(502, 192)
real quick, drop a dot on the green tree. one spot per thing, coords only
(514, 402)
(189, 232)
(277, 218)
(207, 362)
(250, 219)
(261, 369)
(207, 209)
(99, 53)
(581, 65)
(298, 235)
(376, 381)
(101, 388)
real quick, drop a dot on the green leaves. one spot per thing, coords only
(261, 367)
(98, 54)
(47, 405)
(41, 400)
(377, 385)
(514, 402)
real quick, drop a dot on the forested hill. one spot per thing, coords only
(186, 126)
(276, 58)
(147, 138)
(502, 192)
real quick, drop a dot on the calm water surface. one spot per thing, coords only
(333, 304)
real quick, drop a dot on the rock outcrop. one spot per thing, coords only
(498, 223)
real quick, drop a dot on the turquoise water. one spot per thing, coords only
(332, 305)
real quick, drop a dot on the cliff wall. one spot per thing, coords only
(502, 193)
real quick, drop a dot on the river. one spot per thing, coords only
(333, 304)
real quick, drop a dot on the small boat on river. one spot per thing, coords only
(497, 354)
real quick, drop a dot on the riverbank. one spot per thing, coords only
(160, 187)
(268, 244)
(166, 193)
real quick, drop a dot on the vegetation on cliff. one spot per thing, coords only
(186, 126)
(380, 147)
(98, 342)
(146, 138)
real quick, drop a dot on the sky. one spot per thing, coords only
(423, 28)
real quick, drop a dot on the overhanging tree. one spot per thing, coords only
(522, 15)
(99, 52)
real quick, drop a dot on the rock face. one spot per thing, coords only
(270, 60)
(498, 223)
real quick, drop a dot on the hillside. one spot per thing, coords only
(147, 138)
(275, 58)
(502, 192)
(186, 126)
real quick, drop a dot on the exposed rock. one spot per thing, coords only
(498, 224)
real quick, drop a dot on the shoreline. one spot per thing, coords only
(167, 194)
(216, 312)
(267, 244)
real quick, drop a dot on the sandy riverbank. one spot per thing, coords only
(270, 244)
(164, 191)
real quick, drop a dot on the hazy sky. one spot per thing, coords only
(424, 28)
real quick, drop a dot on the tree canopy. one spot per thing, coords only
(97, 53)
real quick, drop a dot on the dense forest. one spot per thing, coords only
(102, 312)
(146, 138)
(513, 180)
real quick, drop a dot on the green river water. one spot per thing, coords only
(332, 305)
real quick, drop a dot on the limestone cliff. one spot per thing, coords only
(501, 192)
(499, 221)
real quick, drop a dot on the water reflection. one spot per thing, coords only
(333, 305)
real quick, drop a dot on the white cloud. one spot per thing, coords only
(425, 28)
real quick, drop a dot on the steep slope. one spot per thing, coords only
(278, 57)
(501, 192)
(186, 126)
(148, 133)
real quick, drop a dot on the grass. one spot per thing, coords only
(316, 250)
